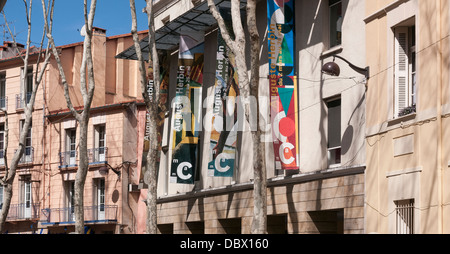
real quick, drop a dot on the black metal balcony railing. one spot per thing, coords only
(98, 155)
(23, 211)
(103, 213)
(22, 100)
(67, 159)
(27, 156)
(95, 156)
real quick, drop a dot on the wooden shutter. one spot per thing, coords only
(401, 69)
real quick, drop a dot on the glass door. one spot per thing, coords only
(71, 201)
(70, 155)
(3, 91)
(27, 199)
(101, 199)
(2, 144)
(99, 151)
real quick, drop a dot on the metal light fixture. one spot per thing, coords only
(332, 68)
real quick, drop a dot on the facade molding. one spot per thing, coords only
(383, 11)
(273, 182)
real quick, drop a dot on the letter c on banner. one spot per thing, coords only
(276, 126)
(222, 157)
(181, 167)
(283, 154)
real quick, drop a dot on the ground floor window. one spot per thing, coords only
(404, 210)
(328, 222)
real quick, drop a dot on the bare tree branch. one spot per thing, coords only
(248, 87)
(8, 180)
(87, 88)
(153, 105)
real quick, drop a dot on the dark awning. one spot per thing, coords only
(167, 37)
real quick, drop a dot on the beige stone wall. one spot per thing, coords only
(294, 200)
(407, 157)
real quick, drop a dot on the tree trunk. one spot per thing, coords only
(259, 224)
(249, 87)
(80, 178)
(152, 179)
(7, 195)
(153, 106)
(87, 88)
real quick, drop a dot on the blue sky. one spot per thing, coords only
(112, 15)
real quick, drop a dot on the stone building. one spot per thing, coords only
(407, 117)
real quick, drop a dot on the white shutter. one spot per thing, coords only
(401, 69)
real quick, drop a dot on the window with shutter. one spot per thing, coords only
(401, 69)
(405, 87)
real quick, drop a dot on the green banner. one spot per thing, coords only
(187, 108)
(224, 119)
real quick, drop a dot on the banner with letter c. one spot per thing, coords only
(224, 120)
(283, 83)
(187, 108)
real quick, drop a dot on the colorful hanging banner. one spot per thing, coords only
(187, 108)
(283, 85)
(224, 118)
(163, 89)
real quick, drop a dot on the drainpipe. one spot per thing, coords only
(43, 139)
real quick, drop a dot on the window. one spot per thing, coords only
(99, 143)
(404, 216)
(70, 154)
(335, 16)
(327, 222)
(26, 88)
(28, 152)
(3, 91)
(26, 197)
(28, 85)
(1, 197)
(405, 70)
(334, 132)
(70, 201)
(2, 144)
(100, 186)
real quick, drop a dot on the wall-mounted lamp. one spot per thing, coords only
(332, 69)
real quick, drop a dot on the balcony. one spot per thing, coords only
(23, 211)
(92, 214)
(68, 159)
(27, 156)
(98, 156)
(22, 100)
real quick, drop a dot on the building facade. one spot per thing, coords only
(43, 189)
(25, 203)
(359, 151)
(407, 117)
(320, 188)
